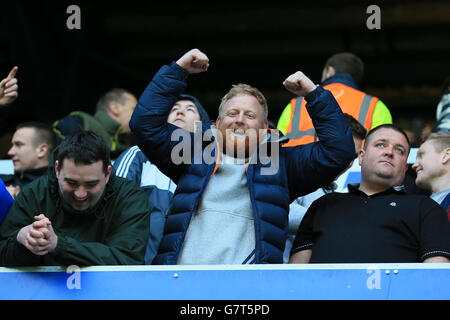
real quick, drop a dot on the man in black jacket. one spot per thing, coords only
(32, 144)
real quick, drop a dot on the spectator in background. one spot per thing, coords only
(443, 109)
(6, 200)
(114, 110)
(226, 208)
(80, 213)
(341, 75)
(299, 206)
(433, 168)
(375, 222)
(32, 144)
(134, 165)
(9, 88)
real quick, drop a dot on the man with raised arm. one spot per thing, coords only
(235, 183)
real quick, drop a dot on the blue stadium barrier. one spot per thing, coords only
(417, 281)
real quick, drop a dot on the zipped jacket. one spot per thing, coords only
(113, 232)
(300, 170)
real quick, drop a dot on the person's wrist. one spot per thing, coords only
(180, 69)
(311, 96)
(21, 236)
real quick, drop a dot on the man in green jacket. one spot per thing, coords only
(80, 213)
(113, 113)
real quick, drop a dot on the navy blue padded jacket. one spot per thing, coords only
(301, 169)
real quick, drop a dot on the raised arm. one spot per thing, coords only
(149, 120)
(9, 88)
(316, 164)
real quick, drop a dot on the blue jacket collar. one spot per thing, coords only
(344, 78)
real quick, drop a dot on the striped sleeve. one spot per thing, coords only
(129, 164)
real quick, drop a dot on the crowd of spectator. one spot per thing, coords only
(152, 180)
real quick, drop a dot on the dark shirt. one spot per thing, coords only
(23, 178)
(390, 226)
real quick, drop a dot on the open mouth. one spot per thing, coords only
(238, 131)
(80, 201)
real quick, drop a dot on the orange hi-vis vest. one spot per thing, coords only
(358, 104)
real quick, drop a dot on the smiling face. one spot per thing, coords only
(383, 160)
(183, 114)
(428, 165)
(81, 185)
(240, 123)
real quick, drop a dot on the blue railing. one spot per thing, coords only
(417, 281)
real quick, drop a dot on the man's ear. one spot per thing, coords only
(108, 173)
(57, 168)
(361, 155)
(42, 151)
(331, 71)
(114, 108)
(445, 156)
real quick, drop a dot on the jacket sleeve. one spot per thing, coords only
(133, 165)
(125, 243)
(149, 120)
(5, 201)
(129, 164)
(317, 164)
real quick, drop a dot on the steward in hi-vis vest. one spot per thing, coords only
(340, 76)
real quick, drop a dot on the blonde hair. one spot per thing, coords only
(441, 140)
(241, 88)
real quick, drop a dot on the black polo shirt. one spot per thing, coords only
(390, 226)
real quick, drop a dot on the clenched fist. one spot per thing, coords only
(194, 61)
(299, 84)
